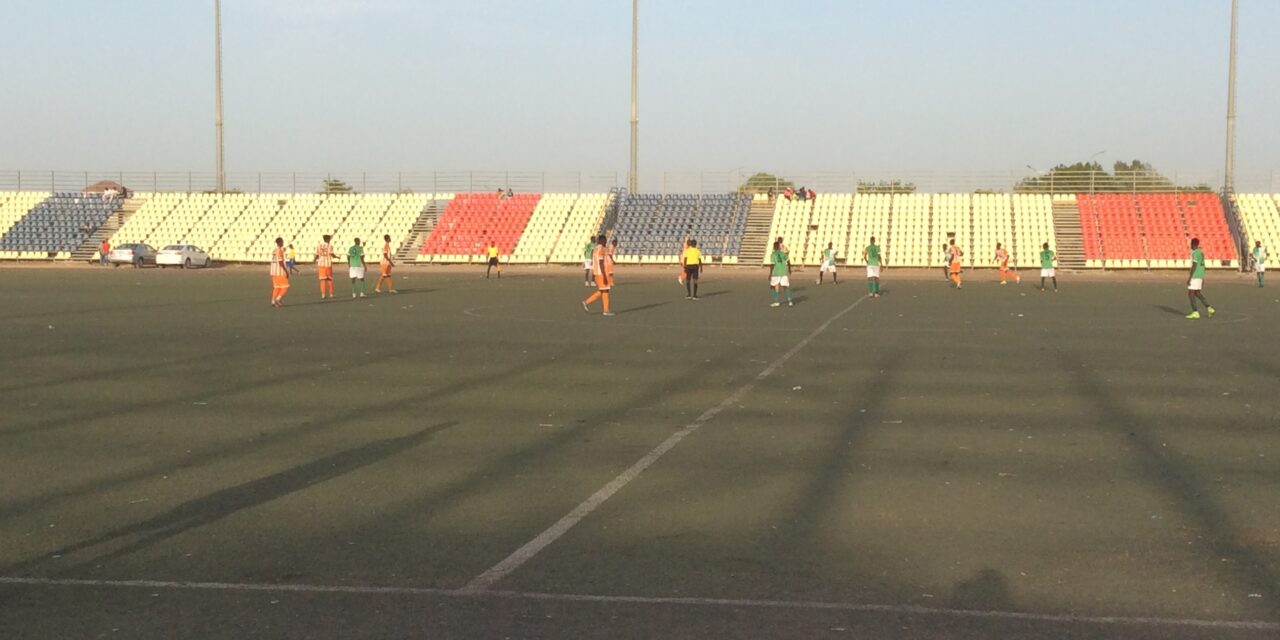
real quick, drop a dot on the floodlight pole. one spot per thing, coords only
(217, 55)
(632, 176)
(1230, 185)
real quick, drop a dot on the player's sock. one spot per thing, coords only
(877, 285)
(1055, 284)
(688, 287)
(788, 290)
(695, 289)
(871, 286)
(773, 294)
(390, 285)
(605, 297)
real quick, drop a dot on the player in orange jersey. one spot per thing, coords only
(600, 268)
(324, 267)
(279, 275)
(954, 253)
(385, 262)
(1002, 259)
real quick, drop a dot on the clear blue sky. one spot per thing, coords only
(385, 85)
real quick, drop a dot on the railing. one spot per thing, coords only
(651, 182)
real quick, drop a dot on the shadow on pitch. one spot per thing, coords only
(1192, 494)
(1169, 310)
(644, 307)
(227, 452)
(221, 504)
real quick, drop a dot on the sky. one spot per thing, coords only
(816, 85)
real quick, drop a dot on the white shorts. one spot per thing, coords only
(356, 273)
(1260, 268)
(827, 268)
(1048, 273)
(586, 264)
(873, 271)
(1196, 284)
(782, 281)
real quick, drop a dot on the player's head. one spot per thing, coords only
(1258, 244)
(832, 244)
(952, 242)
(873, 239)
(357, 241)
(1195, 243)
(614, 242)
(279, 242)
(600, 239)
(998, 245)
(290, 245)
(386, 238)
(693, 243)
(327, 237)
(1046, 246)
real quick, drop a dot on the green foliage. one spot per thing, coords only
(763, 182)
(1090, 177)
(886, 186)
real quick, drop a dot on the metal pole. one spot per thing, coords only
(633, 179)
(1231, 102)
(217, 54)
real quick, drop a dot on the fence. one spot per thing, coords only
(651, 182)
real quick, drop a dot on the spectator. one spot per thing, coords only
(510, 195)
(789, 194)
(103, 250)
(772, 194)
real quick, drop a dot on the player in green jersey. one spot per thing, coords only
(780, 274)
(1195, 282)
(828, 264)
(1047, 270)
(871, 256)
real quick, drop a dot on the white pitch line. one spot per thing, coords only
(530, 549)
(1249, 625)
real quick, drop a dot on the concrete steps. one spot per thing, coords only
(1069, 234)
(755, 240)
(126, 208)
(408, 251)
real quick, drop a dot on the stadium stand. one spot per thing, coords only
(953, 214)
(472, 220)
(910, 243)
(1260, 216)
(545, 224)
(268, 217)
(217, 221)
(1033, 226)
(652, 228)
(992, 223)
(1205, 219)
(362, 223)
(870, 218)
(140, 226)
(1153, 230)
(15, 205)
(185, 215)
(402, 213)
(791, 222)
(57, 224)
(583, 222)
(326, 220)
(830, 223)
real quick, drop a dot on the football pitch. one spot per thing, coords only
(473, 458)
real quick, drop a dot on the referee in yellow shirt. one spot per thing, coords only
(691, 259)
(493, 261)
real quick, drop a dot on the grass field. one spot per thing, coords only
(181, 460)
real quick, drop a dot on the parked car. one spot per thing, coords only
(182, 255)
(136, 254)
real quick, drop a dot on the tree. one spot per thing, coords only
(1090, 177)
(763, 182)
(333, 185)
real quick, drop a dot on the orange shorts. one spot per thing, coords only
(955, 267)
(386, 270)
(604, 283)
(280, 282)
(325, 273)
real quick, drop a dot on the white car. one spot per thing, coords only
(182, 255)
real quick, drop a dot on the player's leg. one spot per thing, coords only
(835, 276)
(1055, 283)
(688, 286)
(773, 295)
(697, 278)
(1191, 298)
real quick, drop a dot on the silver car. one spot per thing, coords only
(182, 255)
(136, 254)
